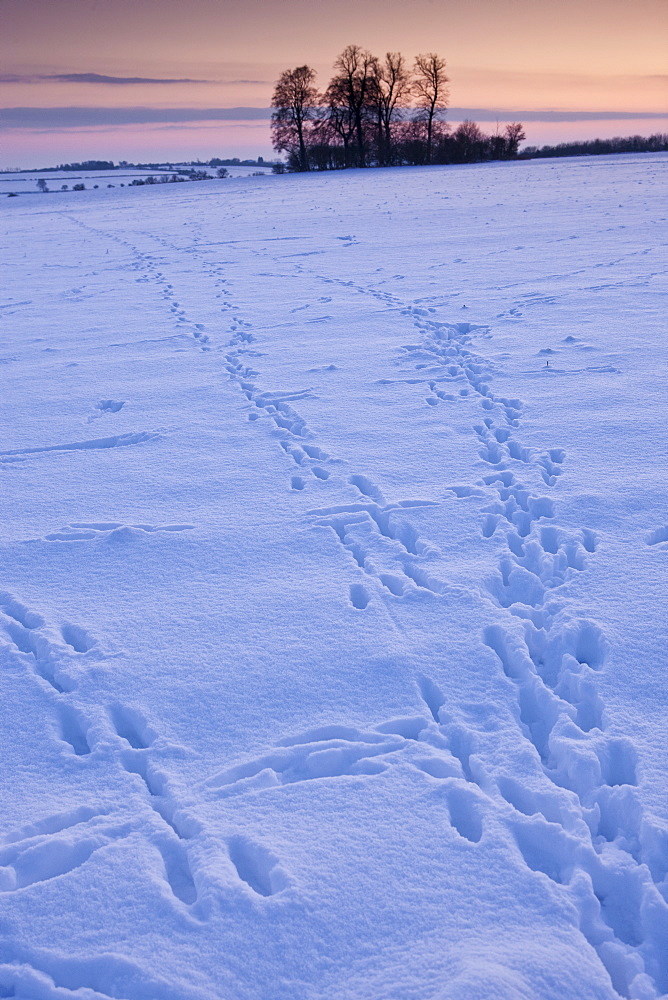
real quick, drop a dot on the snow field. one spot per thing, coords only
(332, 616)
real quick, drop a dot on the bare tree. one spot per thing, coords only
(338, 122)
(515, 134)
(351, 87)
(469, 142)
(390, 93)
(295, 104)
(431, 90)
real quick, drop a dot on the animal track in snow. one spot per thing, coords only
(19, 612)
(106, 406)
(359, 597)
(58, 856)
(69, 979)
(77, 638)
(314, 452)
(330, 752)
(398, 576)
(441, 749)
(174, 827)
(550, 661)
(131, 727)
(43, 656)
(85, 531)
(256, 866)
(54, 824)
(464, 812)
(73, 730)
(386, 547)
(602, 851)
(177, 868)
(49, 653)
(367, 489)
(547, 848)
(50, 855)
(561, 713)
(658, 536)
(116, 441)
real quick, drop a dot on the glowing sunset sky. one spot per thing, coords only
(164, 79)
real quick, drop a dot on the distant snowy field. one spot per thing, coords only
(25, 181)
(333, 617)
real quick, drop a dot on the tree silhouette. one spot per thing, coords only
(514, 136)
(351, 89)
(377, 112)
(338, 122)
(469, 142)
(295, 104)
(390, 93)
(431, 90)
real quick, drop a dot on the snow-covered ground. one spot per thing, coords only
(334, 561)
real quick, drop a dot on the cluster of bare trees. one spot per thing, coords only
(377, 112)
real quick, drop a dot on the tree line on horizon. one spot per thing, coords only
(377, 112)
(657, 143)
(168, 165)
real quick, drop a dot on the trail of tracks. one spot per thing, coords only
(581, 825)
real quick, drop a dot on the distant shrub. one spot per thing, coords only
(63, 187)
(136, 182)
(278, 168)
(87, 165)
(41, 184)
(222, 172)
(79, 187)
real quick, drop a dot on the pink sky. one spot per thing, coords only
(511, 57)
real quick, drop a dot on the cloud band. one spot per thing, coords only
(81, 117)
